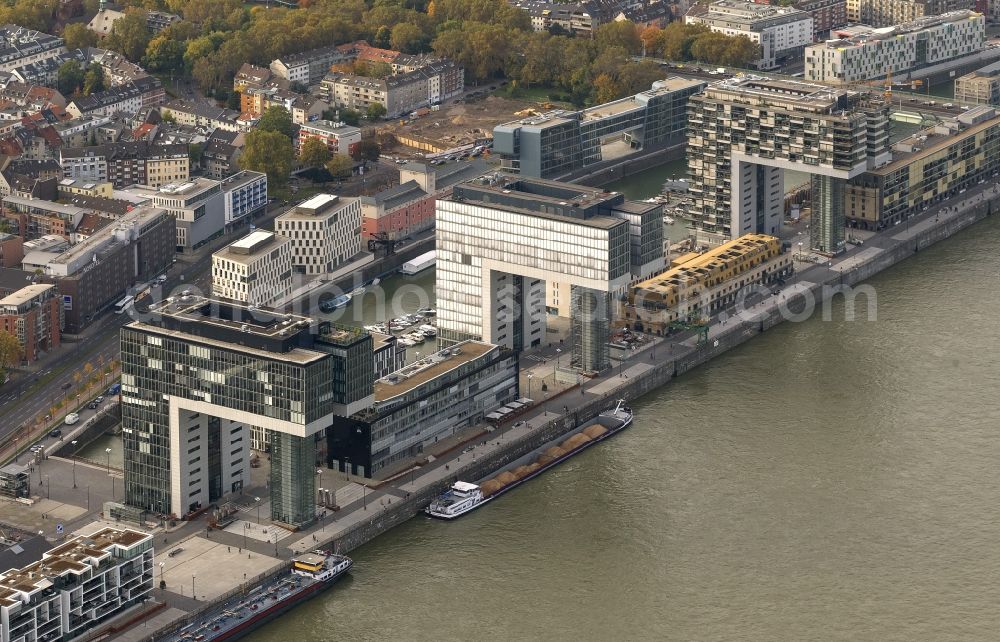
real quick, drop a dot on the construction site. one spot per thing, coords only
(454, 125)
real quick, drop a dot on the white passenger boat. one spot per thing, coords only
(460, 499)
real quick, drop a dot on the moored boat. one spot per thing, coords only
(464, 497)
(311, 573)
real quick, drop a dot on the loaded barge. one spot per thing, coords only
(311, 574)
(464, 497)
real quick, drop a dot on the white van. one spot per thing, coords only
(72, 418)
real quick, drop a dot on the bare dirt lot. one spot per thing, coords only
(459, 124)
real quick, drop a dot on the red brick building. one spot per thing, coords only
(33, 314)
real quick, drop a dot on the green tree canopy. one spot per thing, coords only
(340, 166)
(129, 35)
(277, 119)
(78, 36)
(70, 77)
(269, 152)
(314, 153)
(375, 111)
(366, 150)
(164, 54)
(93, 80)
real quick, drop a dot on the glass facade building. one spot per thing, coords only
(494, 229)
(198, 374)
(746, 131)
(421, 403)
(560, 142)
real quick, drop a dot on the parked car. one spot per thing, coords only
(55, 433)
(67, 385)
(92, 405)
(72, 418)
(100, 398)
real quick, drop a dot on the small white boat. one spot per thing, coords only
(427, 312)
(428, 330)
(462, 498)
(415, 337)
(668, 220)
(409, 343)
(358, 292)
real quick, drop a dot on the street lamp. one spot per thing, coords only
(162, 564)
(74, 462)
(108, 451)
(48, 488)
(192, 588)
(246, 527)
(319, 472)
(257, 499)
(364, 496)
(529, 385)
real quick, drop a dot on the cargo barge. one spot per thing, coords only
(464, 497)
(311, 574)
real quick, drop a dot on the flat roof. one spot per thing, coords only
(26, 293)
(252, 246)
(428, 368)
(933, 141)
(318, 201)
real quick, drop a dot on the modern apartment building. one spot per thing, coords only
(981, 86)
(863, 53)
(826, 14)
(388, 354)
(927, 167)
(426, 401)
(706, 284)
(556, 143)
(198, 207)
(745, 131)
(200, 372)
(780, 31)
(500, 240)
(127, 163)
(95, 273)
(325, 232)
(886, 13)
(256, 270)
(33, 314)
(338, 137)
(76, 586)
(245, 197)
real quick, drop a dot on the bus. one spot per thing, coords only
(124, 304)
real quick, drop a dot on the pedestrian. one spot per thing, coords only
(229, 549)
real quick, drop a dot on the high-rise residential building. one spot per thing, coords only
(33, 314)
(560, 142)
(781, 32)
(199, 374)
(338, 138)
(245, 197)
(76, 586)
(931, 165)
(885, 13)
(862, 53)
(325, 232)
(982, 86)
(745, 131)
(500, 239)
(423, 402)
(257, 269)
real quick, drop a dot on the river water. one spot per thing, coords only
(829, 480)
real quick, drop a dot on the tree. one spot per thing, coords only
(277, 119)
(340, 166)
(409, 38)
(195, 151)
(383, 37)
(314, 153)
(129, 35)
(93, 80)
(164, 54)
(78, 36)
(269, 152)
(618, 34)
(375, 111)
(70, 77)
(10, 350)
(366, 150)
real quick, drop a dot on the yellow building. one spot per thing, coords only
(705, 284)
(69, 187)
(162, 171)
